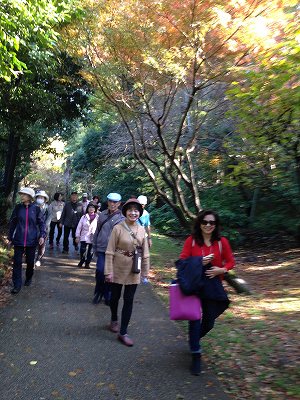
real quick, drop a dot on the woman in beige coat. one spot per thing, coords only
(126, 238)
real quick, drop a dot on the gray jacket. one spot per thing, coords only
(71, 214)
(102, 234)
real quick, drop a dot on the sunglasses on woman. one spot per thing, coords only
(212, 223)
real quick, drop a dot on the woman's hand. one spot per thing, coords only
(214, 271)
(109, 278)
(77, 240)
(207, 259)
(41, 241)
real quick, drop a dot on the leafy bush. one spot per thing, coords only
(165, 221)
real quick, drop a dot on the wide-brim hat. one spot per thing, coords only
(26, 190)
(132, 202)
(43, 194)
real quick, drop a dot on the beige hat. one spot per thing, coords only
(43, 194)
(27, 190)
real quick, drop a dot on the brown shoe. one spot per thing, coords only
(125, 339)
(114, 326)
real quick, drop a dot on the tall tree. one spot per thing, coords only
(28, 26)
(265, 150)
(35, 107)
(164, 65)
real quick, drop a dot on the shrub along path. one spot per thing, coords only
(54, 344)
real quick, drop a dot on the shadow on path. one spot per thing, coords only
(54, 344)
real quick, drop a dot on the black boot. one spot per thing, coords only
(87, 266)
(80, 264)
(97, 298)
(196, 364)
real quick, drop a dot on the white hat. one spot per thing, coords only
(43, 194)
(84, 195)
(27, 190)
(114, 197)
(142, 199)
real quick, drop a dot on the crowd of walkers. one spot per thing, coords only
(93, 227)
(118, 236)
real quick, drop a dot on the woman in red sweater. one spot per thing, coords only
(206, 242)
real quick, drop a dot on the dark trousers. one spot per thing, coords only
(86, 253)
(52, 230)
(67, 231)
(102, 288)
(17, 266)
(128, 296)
(199, 328)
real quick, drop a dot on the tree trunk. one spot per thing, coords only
(10, 163)
(9, 172)
(253, 205)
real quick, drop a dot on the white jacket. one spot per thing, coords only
(85, 229)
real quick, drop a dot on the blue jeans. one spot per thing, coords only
(102, 288)
(17, 267)
(128, 296)
(199, 328)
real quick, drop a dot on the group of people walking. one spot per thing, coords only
(120, 238)
(122, 256)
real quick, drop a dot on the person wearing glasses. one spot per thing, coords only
(217, 258)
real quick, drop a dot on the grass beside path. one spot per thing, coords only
(254, 347)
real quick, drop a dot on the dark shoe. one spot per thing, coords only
(97, 298)
(125, 339)
(80, 264)
(114, 326)
(196, 364)
(65, 251)
(27, 282)
(87, 266)
(15, 290)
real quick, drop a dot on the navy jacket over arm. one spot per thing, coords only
(192, 280)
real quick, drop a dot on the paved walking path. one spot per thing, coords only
(55, 345)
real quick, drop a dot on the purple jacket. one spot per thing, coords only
(26, 225)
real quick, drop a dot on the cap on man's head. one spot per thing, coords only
(114, 197)
(142, 199)
(84, 195)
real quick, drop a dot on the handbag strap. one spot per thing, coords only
(132, 234)
(107, 219)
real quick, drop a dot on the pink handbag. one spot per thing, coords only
(183, 307)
